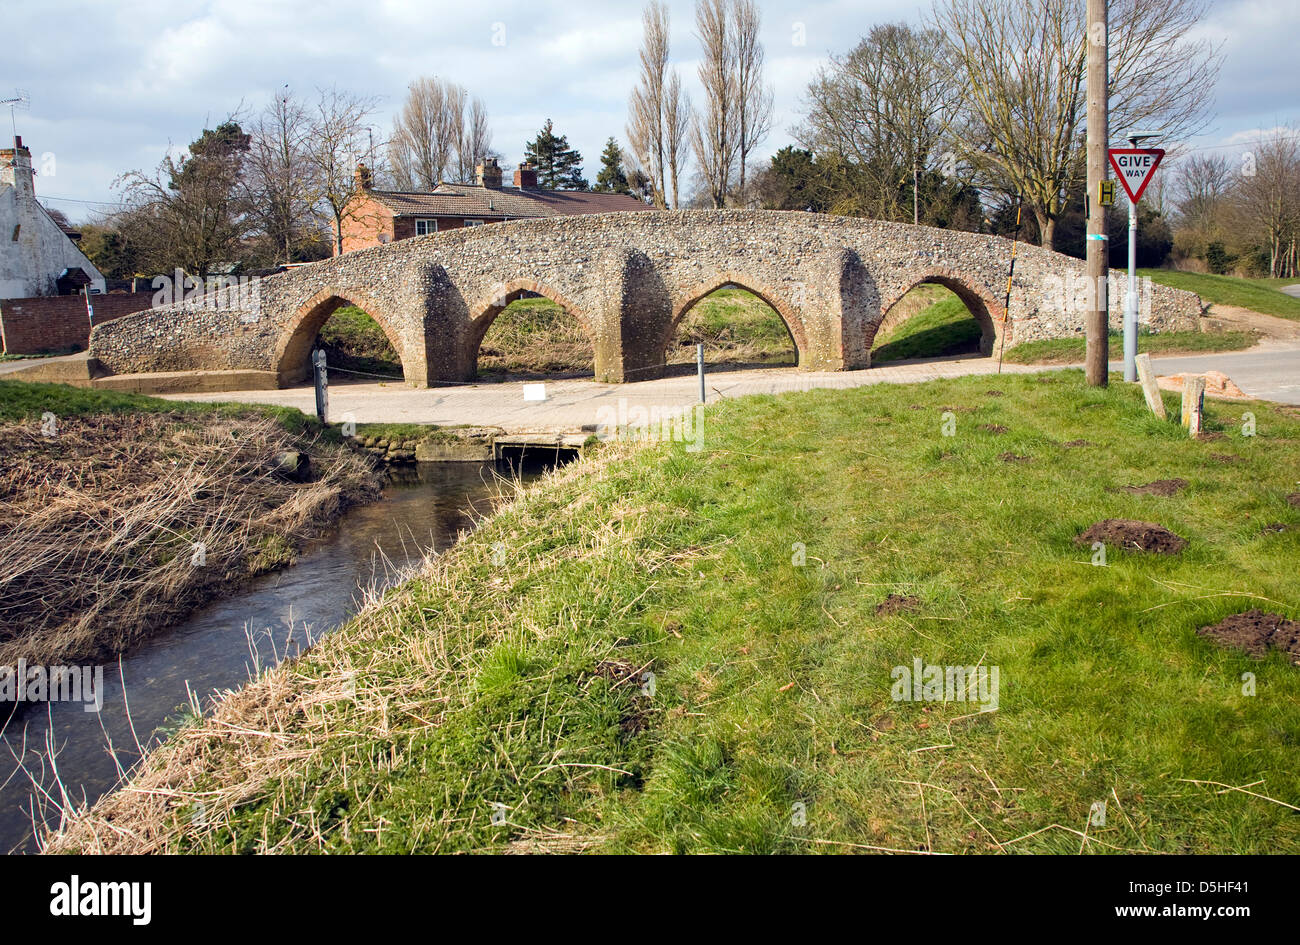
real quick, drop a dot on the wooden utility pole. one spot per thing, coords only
(1096, 319)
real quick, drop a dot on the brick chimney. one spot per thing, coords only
(488, 174)
(526, 177)
(364, 177)
(16, 170)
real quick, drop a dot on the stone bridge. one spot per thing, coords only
(628, 278)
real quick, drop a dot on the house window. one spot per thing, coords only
(425, 227)
(474, 222)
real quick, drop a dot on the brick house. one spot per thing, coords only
(375, 216)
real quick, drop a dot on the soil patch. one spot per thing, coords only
(993, 427)
(897, 603)
(1163, 487)
(1015, 458)
(1293, 500)
(1225, 459)
(993, 393)
(1275, 528)
(1130, 535)
(1256, 632)
(1075, 444)
(635, 717)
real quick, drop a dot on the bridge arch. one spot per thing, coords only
(984, 307)
(292, 358)
(789, 316)
(485, 311)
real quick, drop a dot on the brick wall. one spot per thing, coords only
(59, 322)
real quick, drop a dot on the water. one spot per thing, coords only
(218, 646)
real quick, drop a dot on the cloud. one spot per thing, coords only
(113, 85)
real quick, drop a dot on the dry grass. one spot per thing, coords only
(285, 718)
(99, 523)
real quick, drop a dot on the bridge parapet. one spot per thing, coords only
(628, 279)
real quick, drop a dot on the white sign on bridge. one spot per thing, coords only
(1135, 167)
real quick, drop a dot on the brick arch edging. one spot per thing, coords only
(789, 316)
(986, 308)
(295, 333)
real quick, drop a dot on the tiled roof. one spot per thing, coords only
(490, 203)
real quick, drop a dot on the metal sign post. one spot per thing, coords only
(699, 368)
(1135, 167)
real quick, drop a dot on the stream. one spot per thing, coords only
(218, 646)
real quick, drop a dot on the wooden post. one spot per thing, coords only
(320, 378)
(1150, 389)
(1193, 404)
(1097, 318)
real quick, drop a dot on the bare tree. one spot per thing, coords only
(279, 179)
(647, 106)
(475, 141)
(1268, 199)
(887, 106)
(427, 134)
(677, 129)
(1024, 61)
(714, 137)
(335, 146)
(753, 105)
(191, 212)
(1202, 187)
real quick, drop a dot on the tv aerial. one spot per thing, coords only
(21, 99)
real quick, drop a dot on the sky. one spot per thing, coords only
(113, 84)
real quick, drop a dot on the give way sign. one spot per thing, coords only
(1135, 167)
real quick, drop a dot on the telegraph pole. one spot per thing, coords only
(1097, 318)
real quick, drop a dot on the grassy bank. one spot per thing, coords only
(771, 583)
(1071, 350)
(932, 322)
(121, 513)
(1251, 294)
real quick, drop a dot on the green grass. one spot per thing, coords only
(1071, 350)
(735, 326)
(353, 341)
(1228, 290)
(943, 327)
(23, 401)
(482, 683)
(537, 336)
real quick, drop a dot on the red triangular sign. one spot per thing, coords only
(1135, 167)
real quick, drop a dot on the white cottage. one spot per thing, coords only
(36, 256)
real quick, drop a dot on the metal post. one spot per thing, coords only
(1131, 300)
(320, 377)
(1097, 318)
(699, 367)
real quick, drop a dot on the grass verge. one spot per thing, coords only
(1071, 350)
(504, 701)
(1228, 290)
